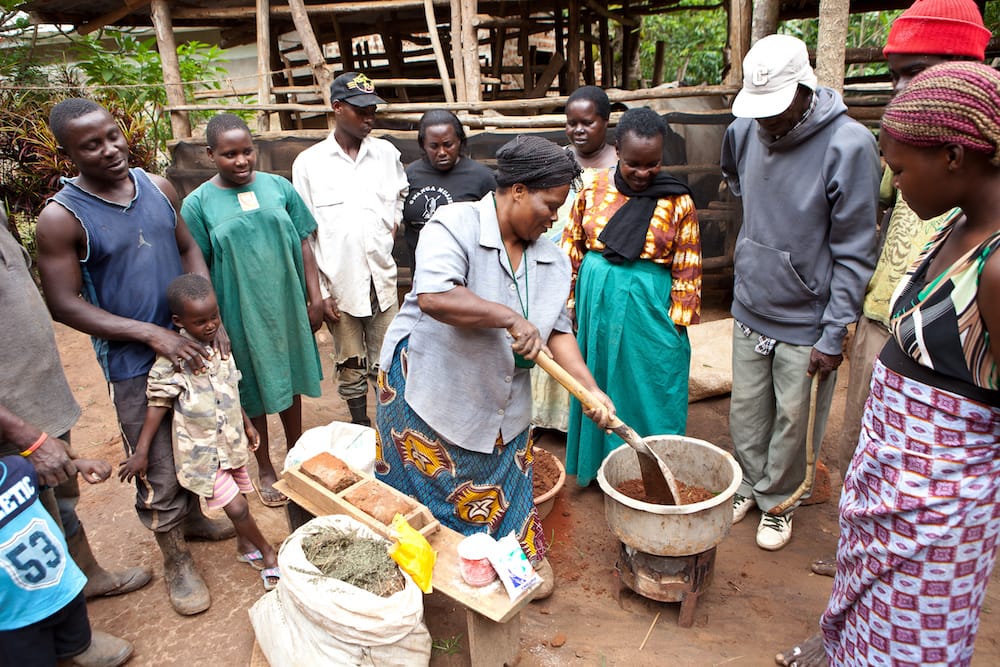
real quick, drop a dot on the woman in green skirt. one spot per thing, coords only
(635, 250)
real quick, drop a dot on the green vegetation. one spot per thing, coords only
(113, 67)
(694, 43)
(450, 646)
(695, 39)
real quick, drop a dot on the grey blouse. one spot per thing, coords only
(462, 380)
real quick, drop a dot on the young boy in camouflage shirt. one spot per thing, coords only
(212, 435)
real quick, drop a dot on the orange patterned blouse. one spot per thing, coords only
(673, 239)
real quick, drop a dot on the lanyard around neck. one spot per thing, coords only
(517, 287)
(513, 274)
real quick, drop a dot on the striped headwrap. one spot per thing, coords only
(954, 102)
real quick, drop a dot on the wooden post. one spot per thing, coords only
(396, 57)
(589, 71)
(764, 18)
(264, 62)
(343, 45)
(180, 123)
(442, 66)
(527, 74)
(499, 38)
(313, 52)
(607, 53)
(573, 47)
(457, 58)
(560, 49)
(626, 50)
(470, 50)
(740, 12)
(661, 49)
(831, 45)
(283, 76)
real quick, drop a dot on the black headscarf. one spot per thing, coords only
(625, 234)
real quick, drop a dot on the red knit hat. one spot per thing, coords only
(939, 28)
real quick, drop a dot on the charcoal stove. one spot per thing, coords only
(667, 578)
(667, 552)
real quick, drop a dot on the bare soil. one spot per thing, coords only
(758, 603)
(546, 473)
(689, 493)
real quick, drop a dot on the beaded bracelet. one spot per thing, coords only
(36, 444)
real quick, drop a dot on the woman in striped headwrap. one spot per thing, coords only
(920, 509)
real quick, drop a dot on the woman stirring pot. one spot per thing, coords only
(489, 294)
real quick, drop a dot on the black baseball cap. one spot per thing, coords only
(354, 88)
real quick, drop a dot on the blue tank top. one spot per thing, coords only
(37, 576)
(131, 258)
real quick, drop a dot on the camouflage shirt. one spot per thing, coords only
(208, 429)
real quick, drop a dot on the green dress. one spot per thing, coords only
(251, 238)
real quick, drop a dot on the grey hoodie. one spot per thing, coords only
(807, 246)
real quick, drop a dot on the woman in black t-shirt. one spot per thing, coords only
(442, 176)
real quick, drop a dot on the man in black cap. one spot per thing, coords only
(355, 186)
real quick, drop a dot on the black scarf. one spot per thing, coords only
(625, 234)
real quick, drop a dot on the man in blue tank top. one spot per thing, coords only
(113, 236)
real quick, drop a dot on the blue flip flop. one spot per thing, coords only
(270, 577)
(254, 559)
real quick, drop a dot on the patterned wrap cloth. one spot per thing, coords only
(918, 528)
(469, 492)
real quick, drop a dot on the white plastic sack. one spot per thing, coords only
(311, 619)
(351, 443)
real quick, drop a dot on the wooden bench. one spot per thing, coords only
(492, 619)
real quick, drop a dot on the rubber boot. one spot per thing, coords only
(104, 651)
(198, 527)
(188, 592)
(544, 570)
(100, 582)
(359, 410)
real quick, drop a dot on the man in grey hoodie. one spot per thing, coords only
(808, 177)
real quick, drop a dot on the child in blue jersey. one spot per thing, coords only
(44, 619)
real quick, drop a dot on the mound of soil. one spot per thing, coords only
(633, 488)
(546, 472)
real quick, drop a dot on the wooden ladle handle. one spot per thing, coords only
(572, 385)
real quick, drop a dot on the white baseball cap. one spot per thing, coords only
(772, 71)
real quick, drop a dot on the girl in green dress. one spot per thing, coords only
(254, 229)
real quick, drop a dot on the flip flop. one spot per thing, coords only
(270, 577)
(254, 559)
(281, 502)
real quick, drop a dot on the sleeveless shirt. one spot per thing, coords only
(131, 257)
(936, 320)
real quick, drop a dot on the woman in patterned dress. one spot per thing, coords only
(634, 245)
(454, 399)
(920, 509)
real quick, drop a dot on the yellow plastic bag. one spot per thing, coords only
(413, 553)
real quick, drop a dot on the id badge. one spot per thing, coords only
(248, 201)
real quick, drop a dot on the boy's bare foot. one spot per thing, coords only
(824, 566)
(268, 495)
(809, 653)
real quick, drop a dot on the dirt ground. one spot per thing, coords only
(758, 603)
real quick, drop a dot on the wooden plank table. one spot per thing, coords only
(492, 618)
